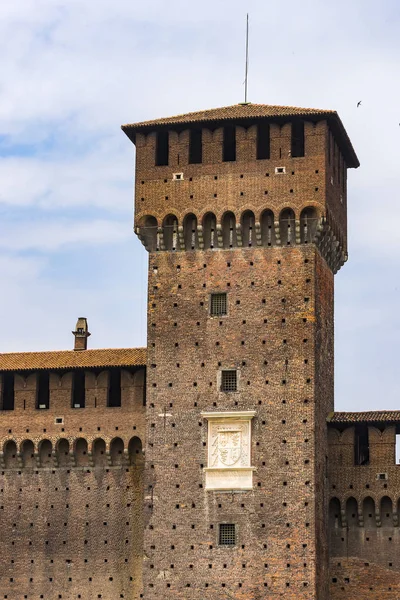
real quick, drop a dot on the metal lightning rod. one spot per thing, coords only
(247, 60)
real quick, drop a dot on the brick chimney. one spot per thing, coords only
(81, 334)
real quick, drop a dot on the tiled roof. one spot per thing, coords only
(69, 359)
(378, 416)
(247, 112)
(237, 111)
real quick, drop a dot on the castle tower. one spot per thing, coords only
(243, 212)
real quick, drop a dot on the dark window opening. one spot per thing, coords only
(227, 534)
(114, 388)
(229, 147)
(361, 445)
(218, 306)
(297, 138)
(228, 381)
(263, 141)
(195, 146)
(78, 389)
(7, 396)
(162, 148)
(43, 390)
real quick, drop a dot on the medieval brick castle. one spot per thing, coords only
(211, 464)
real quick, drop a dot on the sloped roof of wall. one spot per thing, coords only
(236, 111)
(378, 416)
(245, 112)
(70, 359)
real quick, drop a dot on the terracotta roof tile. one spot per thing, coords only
(380, 416)
(247, 112)
(69, 359)
(237, 111)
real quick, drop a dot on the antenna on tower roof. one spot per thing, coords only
(246, 73)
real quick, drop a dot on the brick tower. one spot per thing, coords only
(243, 212)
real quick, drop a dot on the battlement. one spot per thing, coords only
(72, 427)
(364, 484)
(261, 176)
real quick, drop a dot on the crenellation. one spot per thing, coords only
(71, 477)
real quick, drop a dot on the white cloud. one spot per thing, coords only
(51, 236)
(102, 177)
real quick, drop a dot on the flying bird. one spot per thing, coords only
(358, 103)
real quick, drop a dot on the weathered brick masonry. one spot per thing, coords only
(249, 486)
(244, 228)
(71, 479)
(272, 345)
(364, 506)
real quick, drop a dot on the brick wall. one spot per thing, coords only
(324, 394)
(270, 336)
(363, 523)
(278, 335)
(356, 579)
(245, 184)
(71, 493)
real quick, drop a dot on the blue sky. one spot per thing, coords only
(73, 71)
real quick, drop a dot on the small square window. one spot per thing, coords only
(218, 306)
(229, 381)
(227, 534)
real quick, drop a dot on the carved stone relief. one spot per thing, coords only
(229, 451)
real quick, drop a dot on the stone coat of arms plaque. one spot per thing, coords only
(229, 450)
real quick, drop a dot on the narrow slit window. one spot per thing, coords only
(263, 141)
(227, 534)
(219, 305)
(162, 148)
(7, 394)
(114, 388)
(195, 146)
(43, 390)
(78, 389)
(229, 381)
(361, 445)
(229, 145)
(297, 139)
